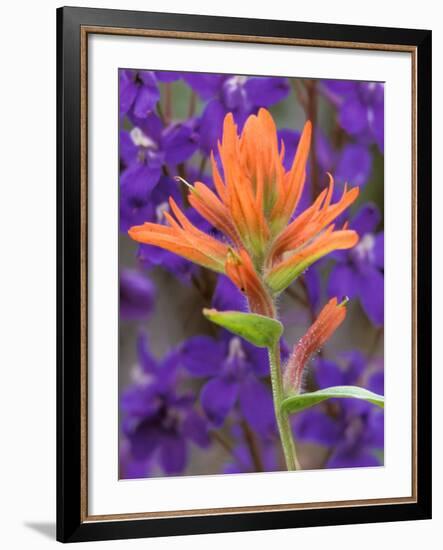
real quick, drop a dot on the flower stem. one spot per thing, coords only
(282, 418)
(311, 113)
(168, 102)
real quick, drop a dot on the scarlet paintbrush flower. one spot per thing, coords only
(329, 319)
(252, 206)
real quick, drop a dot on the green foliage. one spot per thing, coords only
(259, 330)
(298, 402)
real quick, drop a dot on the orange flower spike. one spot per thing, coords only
(240, 269)
(243, 180)
(329, 319)
(259, 146)
(294, 182)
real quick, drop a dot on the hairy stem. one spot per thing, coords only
(282, 418)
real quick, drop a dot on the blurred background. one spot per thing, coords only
(193, 398)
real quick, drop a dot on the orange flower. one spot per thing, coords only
(329, 319)
(252, 206)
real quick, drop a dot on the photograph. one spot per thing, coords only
(251, 273)
(244, 246)
(226, 331)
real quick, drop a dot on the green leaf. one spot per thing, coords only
(298, 402)
(259, 330)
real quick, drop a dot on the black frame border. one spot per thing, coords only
(70, 525)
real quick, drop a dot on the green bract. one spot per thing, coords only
(259, 330)
(281, 279)
(298, 402)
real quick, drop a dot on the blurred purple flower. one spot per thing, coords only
(240, 95)
(354, 165)
(360, 108)
(154, 256)
(234, 368)
(144, 150)
(206, 85)
(138, 92)
(352, 429)
(130, 468)
(158, 421)
(358, 272)
(141, 169)
(227, 296)
(137, 295)
(168, 76)
(311, 279)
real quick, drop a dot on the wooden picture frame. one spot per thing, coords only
(74, 25)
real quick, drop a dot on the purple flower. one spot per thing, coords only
(168, 76)
(138, 92)
(354, 165)
(241, 95)
(360, 109)
(130, 468)
(179, 141)
(352, 429)
(234, 368)
(137, 295)
(358, 272)
(206, 85)
(312, 283)
(141, 163)
(227, 297)
(154, 256)
(144, 151)
(159, 421)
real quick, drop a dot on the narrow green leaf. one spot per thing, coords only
(296, 403)
(259, 330)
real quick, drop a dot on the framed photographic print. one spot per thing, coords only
(244, 274)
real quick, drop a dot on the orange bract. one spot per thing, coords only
(240, 270)
(329, 319)
(253, 205)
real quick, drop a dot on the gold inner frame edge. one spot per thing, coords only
(85, 30)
